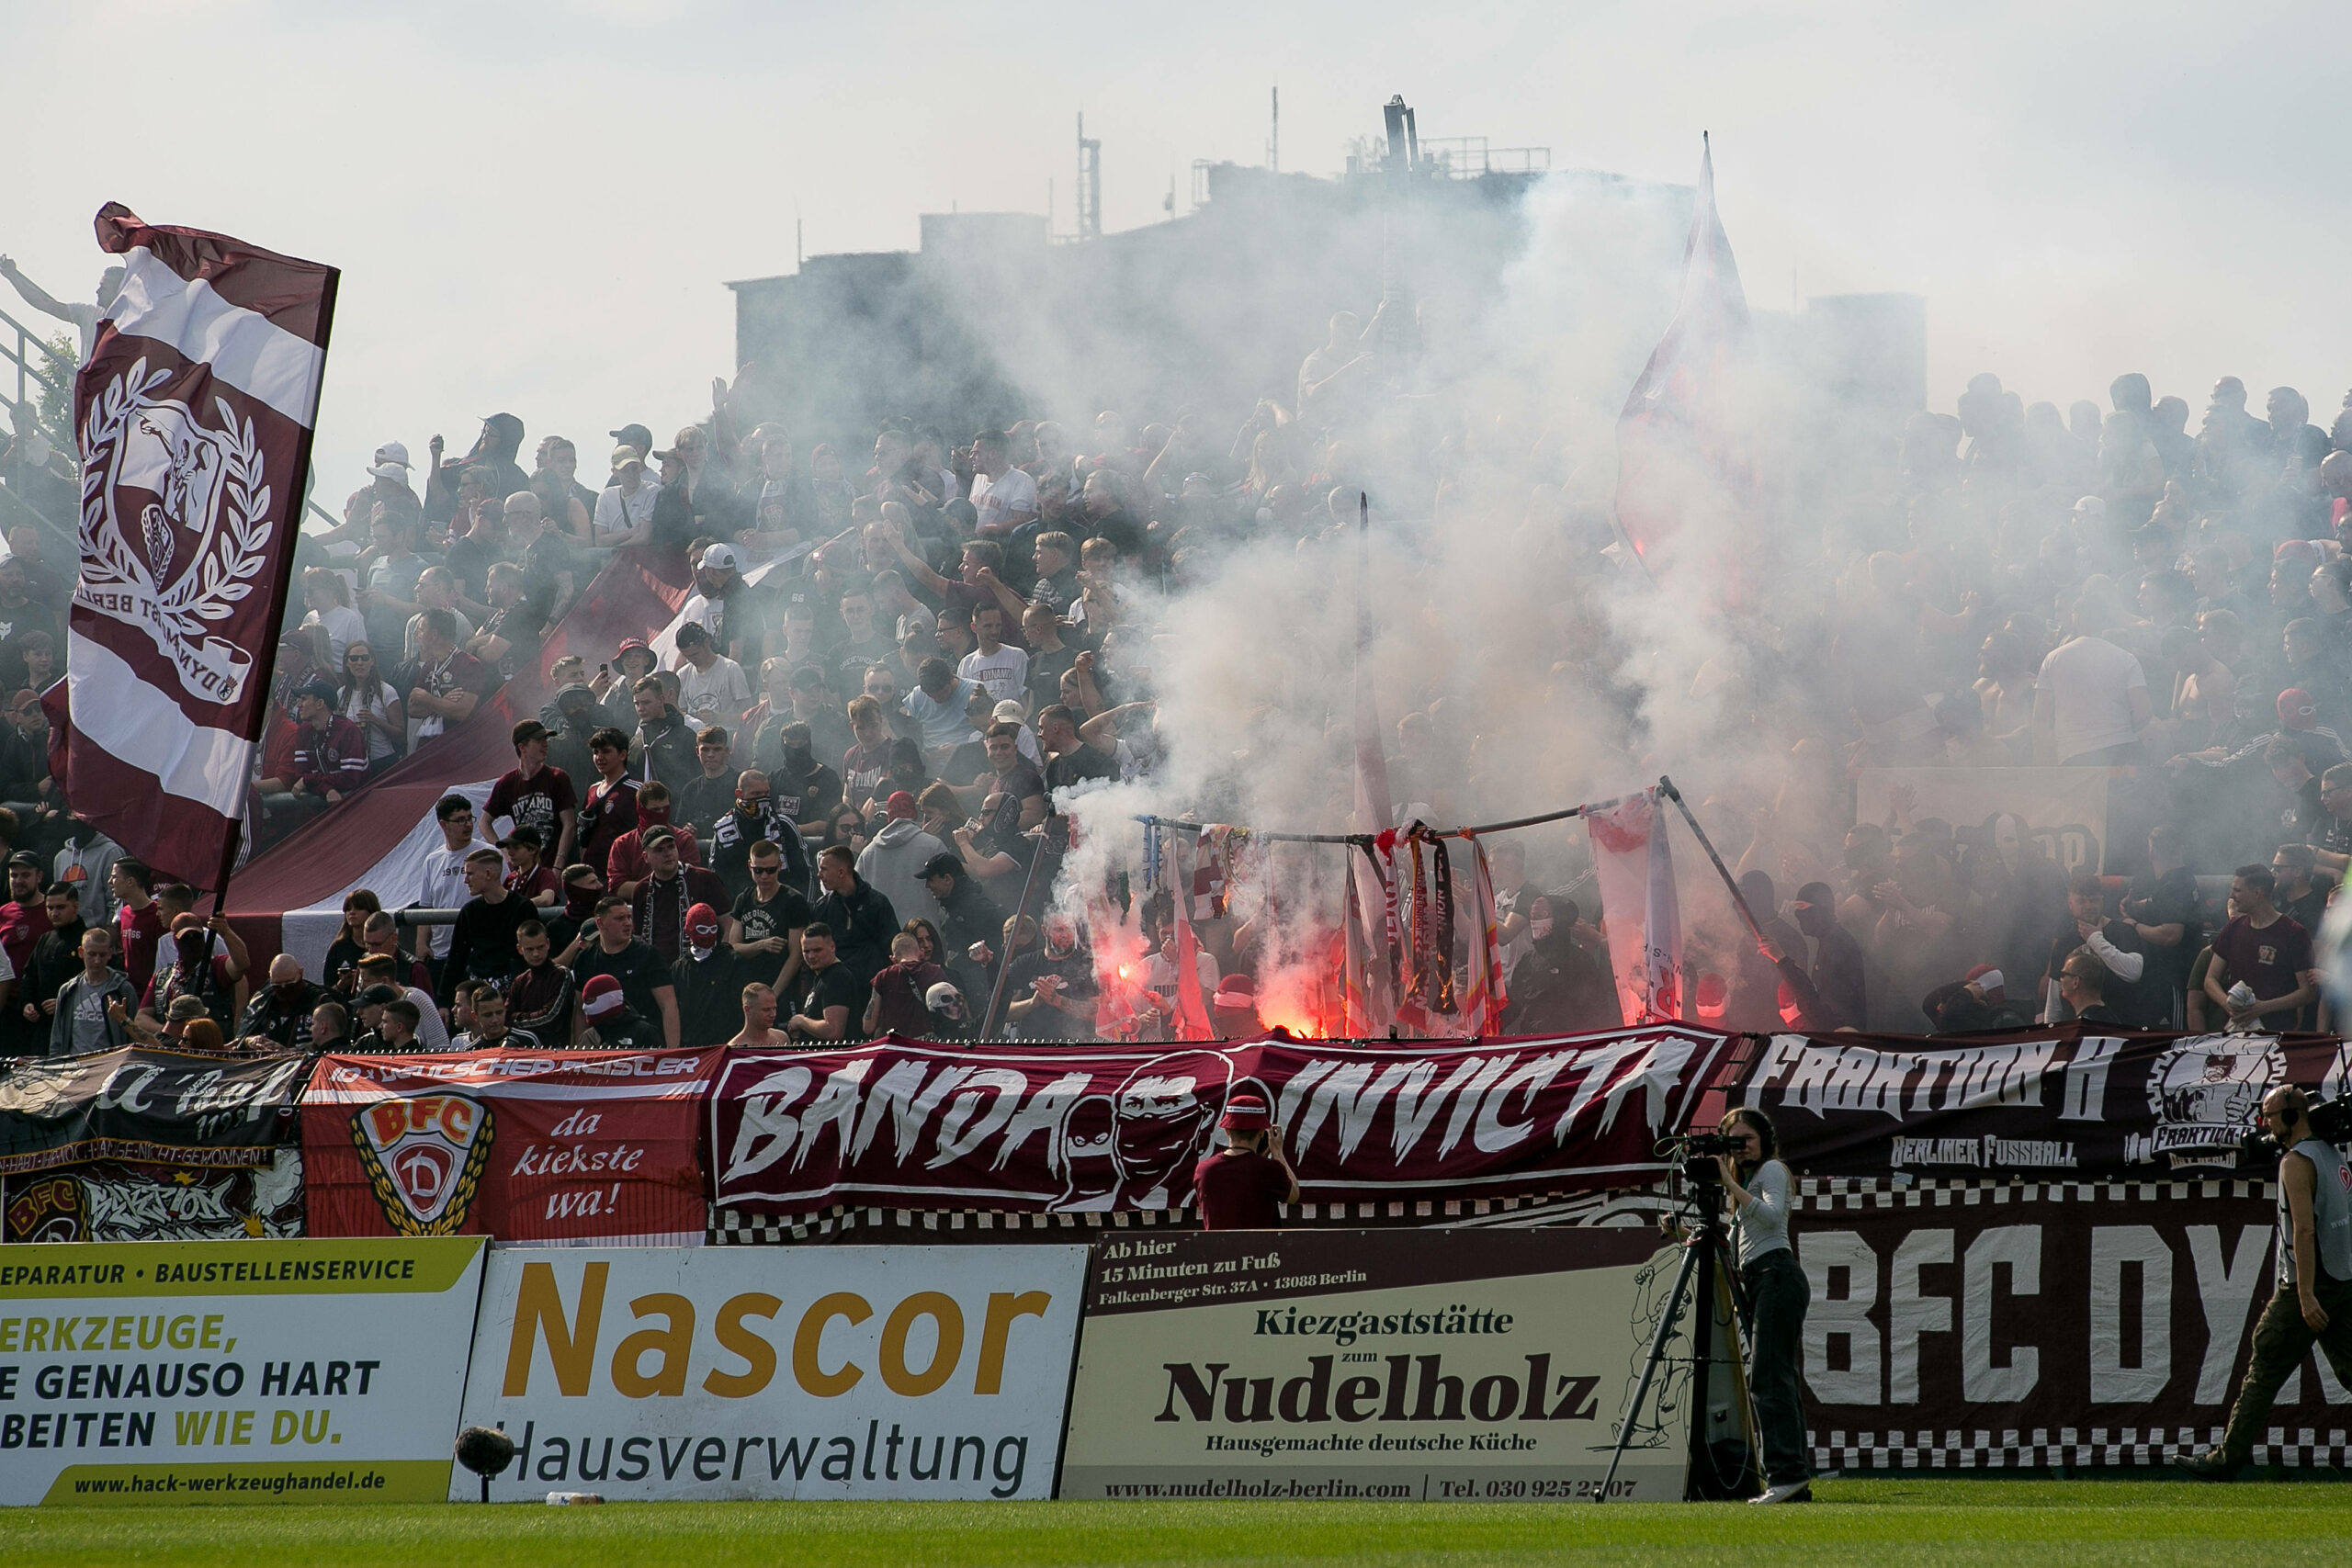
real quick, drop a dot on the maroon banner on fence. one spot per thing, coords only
(551, 1147)
(2052, 1104)
(2090, 1324)
(1088, 1129)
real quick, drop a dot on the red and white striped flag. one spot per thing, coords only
(194, 412)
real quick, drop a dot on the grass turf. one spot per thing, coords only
(2116, 1524)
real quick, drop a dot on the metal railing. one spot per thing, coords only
(40, 368)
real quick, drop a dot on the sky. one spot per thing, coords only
(536, 207)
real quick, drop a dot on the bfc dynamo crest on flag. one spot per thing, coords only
(423, 1156)
(174, 524)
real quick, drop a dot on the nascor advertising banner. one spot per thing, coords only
(270, 1372)
(866, 1373)
(1434, 1366)
(2068, 1103)
(541, 1147)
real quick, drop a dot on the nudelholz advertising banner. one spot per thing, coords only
(1425, 1365)
(882, 1371)
(259, 1372)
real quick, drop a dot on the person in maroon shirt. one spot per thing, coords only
(537, 795)
(24, 919)
(1242, 1186)
(138, 924)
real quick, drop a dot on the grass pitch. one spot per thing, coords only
(2007, 1524)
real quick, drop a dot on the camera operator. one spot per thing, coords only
(1774, 1295)
(2313, 1300)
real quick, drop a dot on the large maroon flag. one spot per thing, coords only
(194, 413)
(1679, 442)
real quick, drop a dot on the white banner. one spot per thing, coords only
(262, 1371)
(2064, 809)
(866, 1373)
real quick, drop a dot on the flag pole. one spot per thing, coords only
(266, 659)
(1808, 998)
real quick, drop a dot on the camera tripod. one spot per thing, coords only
(1705, 1276)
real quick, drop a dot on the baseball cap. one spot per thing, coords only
(531, 836)
(658, 835)
(635, 435)
(376, 996)
(2301, 552)
(25, 857)
(1009, 711)
(2296, 709)
(1245, 1114)
(532, 730)
(702, 925)
(322, 690)
(624, 456)
(565, 697)
(947, 864)
(719, 558)
(900, 806)
(392, 461)
(185, 1009)
(599, 996)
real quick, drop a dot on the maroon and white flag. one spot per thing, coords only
(1681, 440)
(194, 412)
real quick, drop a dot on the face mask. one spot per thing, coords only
(1538, 929)
(700, 953)
(652, 814)
(799, 756)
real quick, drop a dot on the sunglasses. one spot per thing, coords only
(766, 870)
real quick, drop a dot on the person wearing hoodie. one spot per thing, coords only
(494, 450)
(1556, 986)
(710, 1007)
(625, 863)
(894, 861)
(806, 790)
(1837, 969)
(571, 718)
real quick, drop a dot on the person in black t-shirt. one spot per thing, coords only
(764, 925)
(1073, 758)
(2162, 911)
(610, 947)
(836, 999)
(481, 946)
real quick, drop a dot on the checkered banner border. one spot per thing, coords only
(2042, 1450)
(1824, 1195)
(730, 1227)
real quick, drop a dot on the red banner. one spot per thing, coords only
(1088, 1129)
(194, 414)
(538, 1147)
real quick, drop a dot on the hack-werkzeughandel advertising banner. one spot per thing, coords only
(266, 1371)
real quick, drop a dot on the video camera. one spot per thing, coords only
(1693, 1147)
(2331, 1123)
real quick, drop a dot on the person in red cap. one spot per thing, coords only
(1233, 1011)
(709, 1002)
(1242, 1186)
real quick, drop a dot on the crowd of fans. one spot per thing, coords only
(815, 819)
